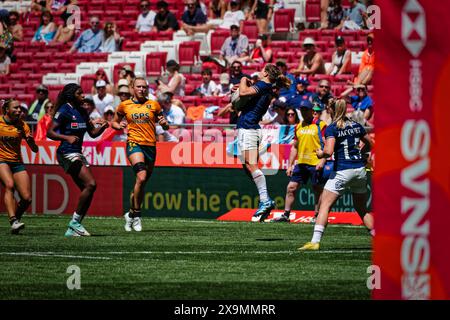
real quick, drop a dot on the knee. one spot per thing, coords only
(91, 186)
(141, 178)
(9, 186)
(26, 200)
(290, 190)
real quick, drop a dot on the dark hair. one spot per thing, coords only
(48, 14)
(173, 64)
(207, 71)
(67, 95)
(14, 13)
(263, 37)
(162, 4)
(6, 104)
(285, 118)
(276, 77)
(236, 27)
(281, 63)
(4, 17)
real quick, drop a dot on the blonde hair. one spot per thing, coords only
(138, 78)
(276, 76)
(340, 109)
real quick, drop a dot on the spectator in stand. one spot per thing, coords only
(42, 126)
(194, 20)
(123, 92)
(335, 14)
(5, 61)
(164, 19)
(217, 9)
(47, 29)
(321, 99)
(362, 103)
(146, 19)
(24, 111)
(236, 73)
(102, 99)
(173, 114)
(341, 61)
(199, 4)
(284, 69)
(262, 52)
(65, 32)
(89, 106)
(262, 11)
(6, 37)
(91, 39)
(14, 27)
(312, 62)
(40, 5)
(291, 117)
(111, 38)
(234, 47)
(234, 16)
(355, 18)
(109, 113)
(275, 113)
(100, 74)
(177, 80)
(37, 108)
(224, 88)
(300, 94)
(367, 66)
(127, 73)
(208, 87)
(324, 4)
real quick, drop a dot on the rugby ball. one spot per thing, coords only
(239, 103)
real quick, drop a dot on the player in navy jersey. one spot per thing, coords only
(343, 138)
(260, 95)
(70, 123)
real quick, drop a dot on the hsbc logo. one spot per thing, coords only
(414, 33)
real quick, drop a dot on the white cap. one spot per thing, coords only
(100, 83)
(309, 40)
(122, 82)
(108, 108)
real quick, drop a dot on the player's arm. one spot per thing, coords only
(54, 135)
(245, 88)
(95, 131)
(117, 123)
(31, 143)
(162, 121)
(328, 149)
(368, 143)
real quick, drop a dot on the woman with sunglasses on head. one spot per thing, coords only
(257, 97)
(70, 123)
(343, 138)
(100, 74)
(362, 103)
(13, 175)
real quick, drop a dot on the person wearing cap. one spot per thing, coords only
(100, 74)
(102, 99)
(301, 93)
(309, 136)
(261, 53)
(362, 103)
(367, 66)
(262, 11)
(108, 115)
(127, 73)
(234, 16)
(224, 87)
(194, 20)
(37, 108)
(234, 47)
(164, 19)
(177, 81)
(146, 18)
(341, 60)
(281, 64)
(311, 62)
(90, 39)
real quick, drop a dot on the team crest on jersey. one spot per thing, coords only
(74, 125)
(149, 106)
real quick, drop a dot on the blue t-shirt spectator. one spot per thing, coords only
(256, 107)
(361, 104)
(321, 101)
(295, 99)
(354, 13)
(89, 41)
(198, 18)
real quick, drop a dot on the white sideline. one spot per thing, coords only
(50, 254)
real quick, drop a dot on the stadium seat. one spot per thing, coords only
(283, 20)
(287, 56)
(24, 57)
(250, 29)
(218, 37)
(155, 63)
(29, 67)
(131, 45)
(188, 53)
(67, 67)
(19, 88)
(310, 33)
(27, 98)
(87, 81)
(118, 67)
(4, 88)
(312, 10)
(53, 91)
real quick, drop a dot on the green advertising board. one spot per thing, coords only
(211, 192)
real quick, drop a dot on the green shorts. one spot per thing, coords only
(149, 152)
(15, 166)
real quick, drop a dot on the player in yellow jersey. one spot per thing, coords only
(12, 171)
(141, 117)
(308, 138)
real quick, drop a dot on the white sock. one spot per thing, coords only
(76, 217)
(260, 182)
(318, 232)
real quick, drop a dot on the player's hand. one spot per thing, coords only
(319, 153)
(289, 171)
(123, 124)
(72, 139)
(320, 166)
(29, 136)
(162, 121)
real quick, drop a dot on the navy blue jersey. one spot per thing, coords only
(72, 122)
(347, 154)
(256, 107)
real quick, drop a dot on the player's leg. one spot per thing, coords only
(6, 178)
(358, 187)
(140, 168)
(318, 183)
(137, 224)
(23, 187)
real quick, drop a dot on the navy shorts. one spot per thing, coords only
(303, 172)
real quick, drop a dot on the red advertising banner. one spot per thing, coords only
(54, 192)
(412, 189)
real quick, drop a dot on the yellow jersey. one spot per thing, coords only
(308, 140)
(141, 120)
(11, 136)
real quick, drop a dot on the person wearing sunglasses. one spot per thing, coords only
(321, 98)
(91, 39)
(362, 103)
(367, 66)
(311, 62)
(37, 108)
(146, 19)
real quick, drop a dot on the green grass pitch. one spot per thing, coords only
(182, 259)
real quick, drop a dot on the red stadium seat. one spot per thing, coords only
(312, 10)
(284, 20)
(164, 36)
(54, 90)
(4, 88)
(118, 67)
(42, 57)
(250, 29)
(310, 33)
(29, 67)
(87, 81)
(49, 67)
(24, 57)
(155, 62)
(286, 56)
(19, 88)
(218, 37)
(131, 45)
(27, 98)
(189, 53)
(67, 67)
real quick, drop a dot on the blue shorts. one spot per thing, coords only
(303, 172)
(149, 152)
(14, 166)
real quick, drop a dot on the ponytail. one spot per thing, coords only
(340, 109)
(276, 76)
